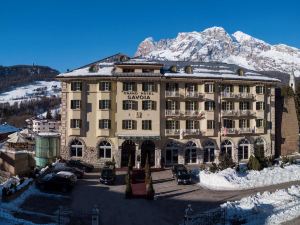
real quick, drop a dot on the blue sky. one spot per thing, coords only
(65, 34)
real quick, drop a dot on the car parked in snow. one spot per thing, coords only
(61, 181)
(108, 175)
(86, 167)
(176, 168)
(183, 177)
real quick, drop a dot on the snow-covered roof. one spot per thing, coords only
(205, 70)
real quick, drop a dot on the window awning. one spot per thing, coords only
(139, 137)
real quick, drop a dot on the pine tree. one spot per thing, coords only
(49, 115)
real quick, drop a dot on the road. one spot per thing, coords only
(168, 209)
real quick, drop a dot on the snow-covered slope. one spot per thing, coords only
(32, 91)
(215, 44)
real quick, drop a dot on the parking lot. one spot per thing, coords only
(167, 209)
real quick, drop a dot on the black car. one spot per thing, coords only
(86, 167)
(79, 173)
(183, 177)
(176, 168)
(61, 181)
(108, 175)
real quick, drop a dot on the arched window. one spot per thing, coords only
(243, 149)
(76, 148)
(104, 150)
(259, 148)
(172, 149)
(226, 148)
(191, 152)
(209, 151)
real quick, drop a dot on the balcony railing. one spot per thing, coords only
(172, 112)
(194, 113)
(228, 95)
(193, 94)
(246, 130)
(245, 95)
(238, 113)
(172, 94)
(230, 131)
(246, 113)
(172, 131)
(192, 132)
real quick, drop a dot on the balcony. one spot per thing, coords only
(172, 112)
(170, 132)
(187, 132)
(232, 131)
(246, 113)
(246, 130)
(245, 95)
(172, 94)
(243, 113)
(228, 95)
(193, 94)
(194, 113)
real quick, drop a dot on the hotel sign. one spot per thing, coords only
(138, 95)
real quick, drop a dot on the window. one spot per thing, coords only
(227, 88)
(76, 148)
(209, 88)
(76, 86)
(172, 124)
(104, 124)
(227, 106)
(191, 124)
(260, 106)
(75, 104)
(191, 87)
(128, 70)
(209, 105)
(191, 153)
(209, 151)
(147, 70)
(189, 105)
(130, 105)
(260, 123)
(148, 105)
(171, 105)
(75, 123)
(104, 104)
(244, 89)
(129, 124)
(243, 149)
(210, 124)
(244, 123)
(104, 150)
(244, 105)
(148, 86)
(260, 89)
(129, 86)
(146, 125)
(171, 87)
(226, 148)
(105, 86)
(172, 153)
(228, 123)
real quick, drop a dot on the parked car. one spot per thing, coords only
(108, 175)
(61, 181)
(184, 177)
(176, 168)
(86, 167)
(78, 172)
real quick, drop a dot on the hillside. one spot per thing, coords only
(216, 45)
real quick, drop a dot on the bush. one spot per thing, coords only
(285, 159)
(213, 168)
(254, 163)
(150, 190)
(225, 161)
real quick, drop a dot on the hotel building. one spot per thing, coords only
(176, 112)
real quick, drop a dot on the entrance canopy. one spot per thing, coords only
(139, 137)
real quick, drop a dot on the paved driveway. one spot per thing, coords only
(168, 209)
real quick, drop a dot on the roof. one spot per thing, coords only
(205, 70)
(17, 138)
(6, 128)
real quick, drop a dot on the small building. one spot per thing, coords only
(43, 125)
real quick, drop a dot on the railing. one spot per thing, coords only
(172, 94)
(229, 113)
(170, 112)
(193, 94)
(230, 131)
(191, 112)
(238, 113)
(245, 95)
(192, 132)
(246, 130)
(172, 131)
(228, 95)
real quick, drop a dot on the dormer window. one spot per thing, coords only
(128, 70)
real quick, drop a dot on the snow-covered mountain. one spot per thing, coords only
(215, 44)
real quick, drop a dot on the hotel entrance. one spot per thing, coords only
(128, 152)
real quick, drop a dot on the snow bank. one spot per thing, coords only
(266, 208)
(229, 179)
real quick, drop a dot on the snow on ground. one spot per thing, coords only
(266, 208)
(229, 179)
(32, 91)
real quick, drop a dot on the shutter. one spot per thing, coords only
(123, 124)
(206, 88)
(240, 88)
(80, 104)
(248, 123)
(71, 123)
(143, 86)
(135, 104)
(233, 123)
(124, 104)
(177, 124)
(206, 106)
(144, 105)
(100, 124)
(134, 123)
(167, 86)
(80, 123)
(109, 124)
(155, 87)
(153, 105)
(80, 86)
(109, 104)
(109, 86)
(100, 104)
(134, 86)
(231, 88)
(72, 104)
(263, 106)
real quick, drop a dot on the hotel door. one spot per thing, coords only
(128, 151)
